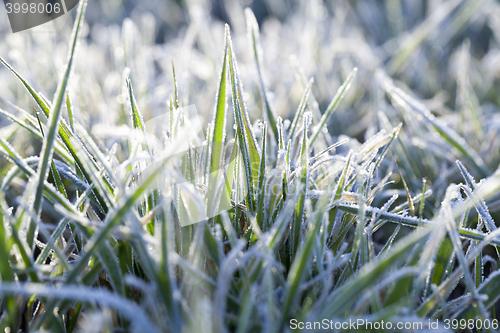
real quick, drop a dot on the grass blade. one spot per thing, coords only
(135, 114)
(333, 105)
(55, 117)
(246, 138)
(219, 131)
(299, 217)
(253, 32)
(440, 127)
(261, 188)
(300, 109)
(300, 263)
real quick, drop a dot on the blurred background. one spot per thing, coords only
(444, 52)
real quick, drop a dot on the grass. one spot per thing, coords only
(349, 195)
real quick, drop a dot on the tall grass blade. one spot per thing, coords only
(261, 188)
(333, 105)
(55, 117)
(300, 109)
(246, 138)
(135, 114)
(219, 131)
(300, 263)
(440, 127)
(253, 32)
(302, 185)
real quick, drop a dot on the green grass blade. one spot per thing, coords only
(51, 193)
(301, 262)
(346, 295)
(135, 114)
(167, 286)
(333, 105)
(38, 99)
(491, 288)
(218, 133)
(422, 201)
(451, 226)
(411, 221)
(449, 284)
(59, 229)
(480, 205)
(442, 260)
(55, 173)
(247, 143)
(6, 273)
(55, 116)
(77, 293)
(253, 32)
(299, 217)
(31, 129)
(300, 109)
(261, 188)
(448, 134)
(70, 113)
(5, 267)
(64, 133)
(176, 92)
(114, 218)
(98, 241)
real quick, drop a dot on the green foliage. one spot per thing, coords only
(271, 219)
